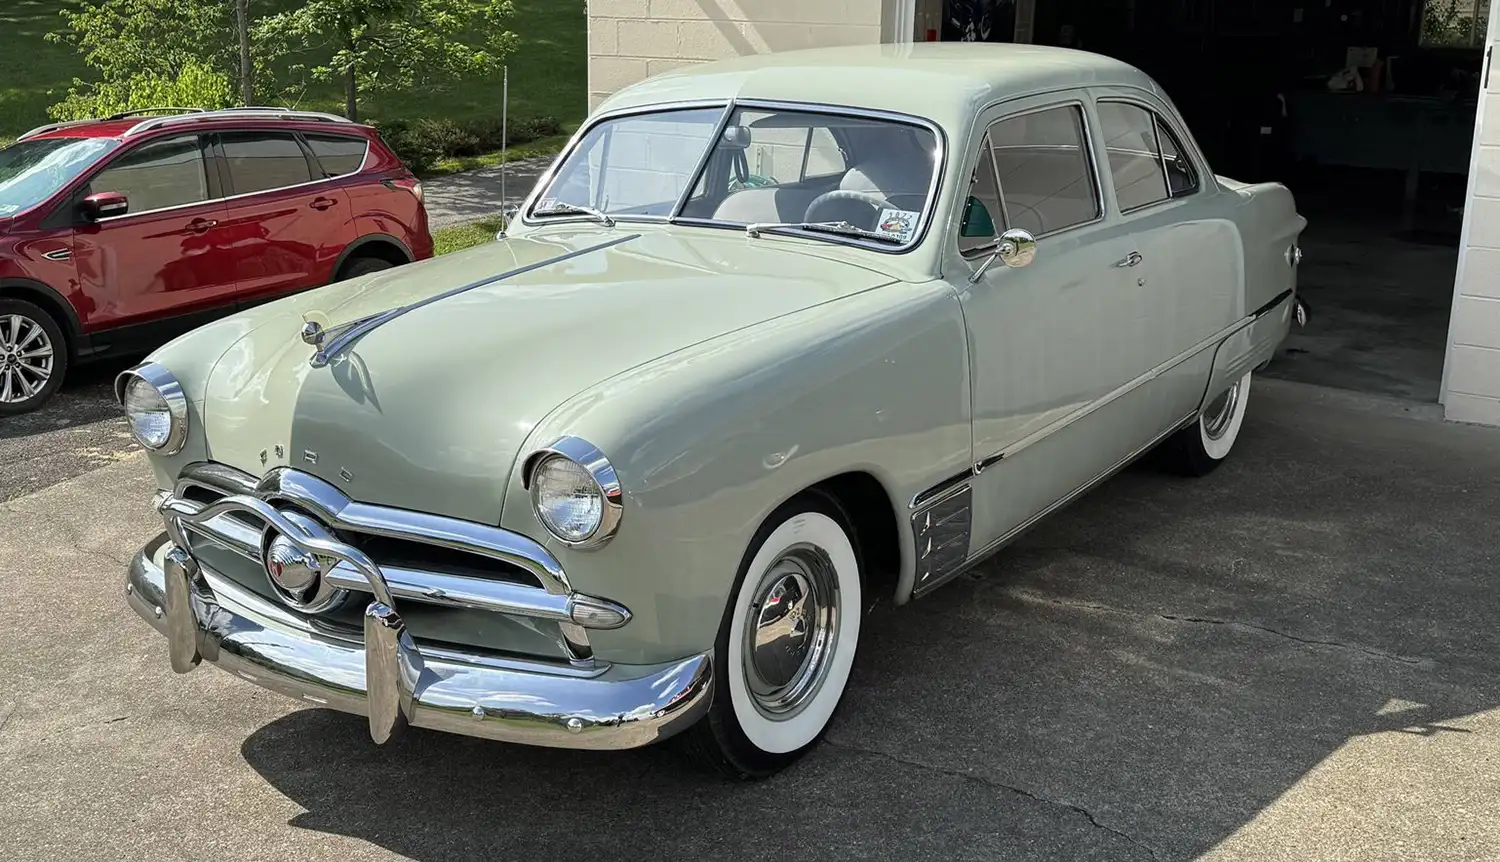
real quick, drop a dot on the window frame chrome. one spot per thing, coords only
(934, 189)
(1159, 120)
(1075, 99)
(544, 183)
(158, 377)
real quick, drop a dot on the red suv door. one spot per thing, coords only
(287, 223)
(167, 254)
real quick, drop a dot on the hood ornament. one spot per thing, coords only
(312, 333)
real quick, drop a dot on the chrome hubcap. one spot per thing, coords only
(26, 355)
(1217, 414)
(790, 633)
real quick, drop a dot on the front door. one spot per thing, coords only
(167, 254)
(1053, 344)
(288, 224)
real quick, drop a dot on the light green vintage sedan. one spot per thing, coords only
(776, 339)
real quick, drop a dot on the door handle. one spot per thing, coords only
(1132, 259)
(323, 203)
(199, 225)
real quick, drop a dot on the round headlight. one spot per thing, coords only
(576, 494)
(155, 406)
(567, 499)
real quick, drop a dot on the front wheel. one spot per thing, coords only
(1200, 448)
(33, 357)
(786, 644)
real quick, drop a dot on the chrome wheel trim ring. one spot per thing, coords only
(1219, 414)
(790, 632)
(27, 357)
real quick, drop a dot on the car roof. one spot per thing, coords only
(117, 128)
(945, 82)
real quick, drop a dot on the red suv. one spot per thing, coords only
(117, 234)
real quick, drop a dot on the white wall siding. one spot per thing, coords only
(1471, 375)
(630, 40)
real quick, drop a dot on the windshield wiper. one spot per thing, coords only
(559, 208)
(842, 228)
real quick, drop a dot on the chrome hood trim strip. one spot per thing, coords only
(359, 329)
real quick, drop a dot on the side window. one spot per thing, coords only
(157, 175)
(264, 160)
(337, 154)
(1044, 168)
(779, 155)
(983, 217)
(1145, 160)
(824, 156)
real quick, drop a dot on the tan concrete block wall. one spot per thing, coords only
(630, 40)
(1472, 375)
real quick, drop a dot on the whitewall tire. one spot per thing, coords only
(787, 642)
(1200, 448)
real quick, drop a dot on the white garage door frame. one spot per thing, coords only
(1469, 407)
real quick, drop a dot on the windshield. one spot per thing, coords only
(32, 171)
(829, 176)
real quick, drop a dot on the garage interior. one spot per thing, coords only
(1378, 159)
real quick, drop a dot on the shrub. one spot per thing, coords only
(533, 128)
(196, 85)
(416, 150)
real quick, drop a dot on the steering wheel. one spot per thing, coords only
(870, 199)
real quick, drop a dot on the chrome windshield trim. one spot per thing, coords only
(544, 183)
(348, 336)
(934, 189)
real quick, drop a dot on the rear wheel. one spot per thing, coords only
(33, 357)
(1200, 448)
(363, 266)
(786, 644)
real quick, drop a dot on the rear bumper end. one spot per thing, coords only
(206, 617)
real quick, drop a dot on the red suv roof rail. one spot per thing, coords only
(52, 127)
(258, 112)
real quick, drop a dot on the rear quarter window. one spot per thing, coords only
(338, 155)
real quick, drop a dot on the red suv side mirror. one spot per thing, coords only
(103, 205)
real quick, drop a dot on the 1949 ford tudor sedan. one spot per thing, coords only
(774, 339)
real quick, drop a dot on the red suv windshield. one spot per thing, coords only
(32, 171)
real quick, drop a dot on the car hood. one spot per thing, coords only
(428, 411)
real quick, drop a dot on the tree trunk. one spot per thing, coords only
(351, 95)
(247, 68)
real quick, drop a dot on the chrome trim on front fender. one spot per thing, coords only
(437, 688)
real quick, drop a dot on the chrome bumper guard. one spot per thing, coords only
(207, 617)
(386, 676)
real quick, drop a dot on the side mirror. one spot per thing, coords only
(103, 205)
(1017, 248)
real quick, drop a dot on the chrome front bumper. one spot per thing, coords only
(388, 678)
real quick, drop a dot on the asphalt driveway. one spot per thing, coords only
(1293, 659)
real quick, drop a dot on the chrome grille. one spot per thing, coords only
(460, 582)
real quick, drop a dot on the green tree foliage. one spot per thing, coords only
(1454, 23)
(148, 53)
(384, 45)
(194, 86)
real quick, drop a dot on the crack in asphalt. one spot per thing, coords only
(1000, 785)
(1216, 621)
(71, 539)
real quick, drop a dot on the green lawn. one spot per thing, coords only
(460, 237)
(548, 73)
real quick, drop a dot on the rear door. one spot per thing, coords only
(287, 222)
(1190, 258)
(169, 254)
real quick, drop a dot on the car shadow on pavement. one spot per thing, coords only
(1143, 677)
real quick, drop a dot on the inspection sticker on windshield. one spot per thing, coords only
(898, 224)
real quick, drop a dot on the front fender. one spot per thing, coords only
(709, 440)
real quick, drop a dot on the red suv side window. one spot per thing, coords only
(158, 175)
(264, 160)
(338, 154)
